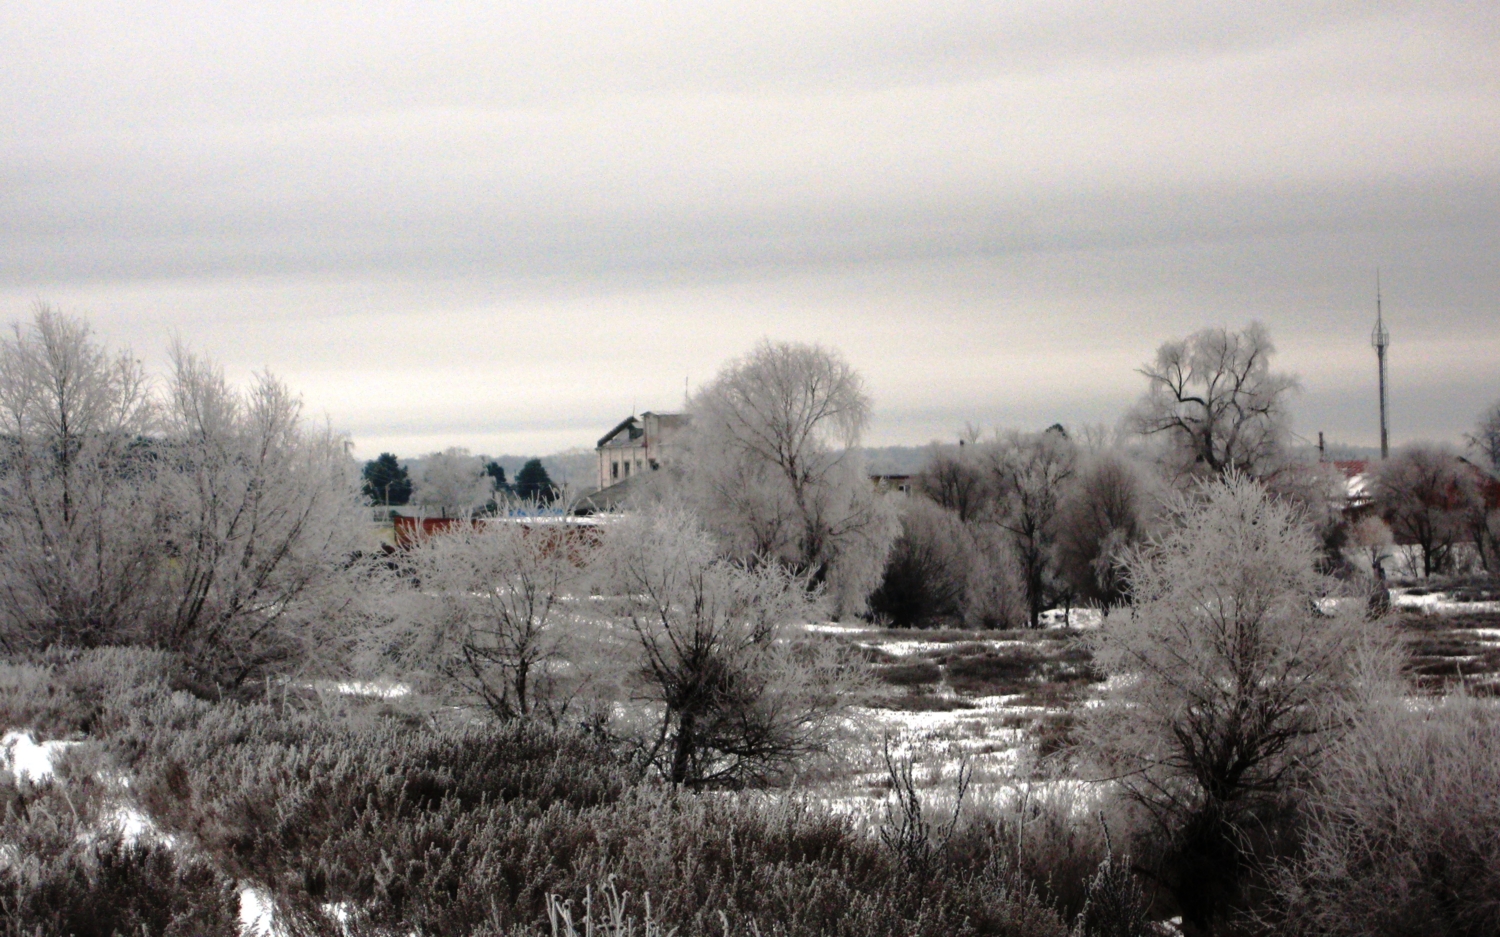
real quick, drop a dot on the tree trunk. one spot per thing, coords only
(682, 749)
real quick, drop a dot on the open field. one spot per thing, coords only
(999, 704)
(1005, 703)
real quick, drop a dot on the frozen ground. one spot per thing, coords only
(996, 704)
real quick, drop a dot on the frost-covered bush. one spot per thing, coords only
(194, 516)
(447, 828)
(497, 617)
(741, 696)
(1404, 825)
(64, 870)
(926, 578)
(66, 692)
(1230, 680)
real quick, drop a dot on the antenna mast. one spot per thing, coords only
(1380, 338)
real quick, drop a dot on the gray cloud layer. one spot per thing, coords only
(504, 224)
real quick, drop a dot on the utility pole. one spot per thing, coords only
(1380, 338)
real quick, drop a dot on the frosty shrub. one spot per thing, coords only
(453, 827)
(927, 575)
(206, 519)
(79, 882)
(1229, 681)
(69, 692)
(1404, 825)
(264, 520)
(1104, 511)
(494, 616)
(741, 697)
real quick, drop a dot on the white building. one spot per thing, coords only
(638, 444)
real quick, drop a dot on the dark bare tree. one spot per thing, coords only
(1424, 495)
(955, 479)
(1216, 402)
(1486, 438)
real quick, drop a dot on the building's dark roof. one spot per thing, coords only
(636, 425)
(631, 423)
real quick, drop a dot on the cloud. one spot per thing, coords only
(996, 209)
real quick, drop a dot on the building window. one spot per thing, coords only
(614, 470)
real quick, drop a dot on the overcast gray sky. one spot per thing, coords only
(504, 225)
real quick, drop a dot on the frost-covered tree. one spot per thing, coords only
(1228, 674)
(207, 521)
(451, 482)
(1105, 511)
(1027, 475)
(741, 698)
(264, 521)
(492, 616)
(774, 469)
(80, 514)
(1425, 496)
(1215, 402)
(1486, 438)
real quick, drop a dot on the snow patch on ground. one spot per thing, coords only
(1072, 618)
(257, 913)
(133, 826)
(28, 760)
(833, 627)
(912, 648)
(380, 690)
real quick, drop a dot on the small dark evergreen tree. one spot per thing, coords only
(496, 472)
(386, 481)
(534, 484)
